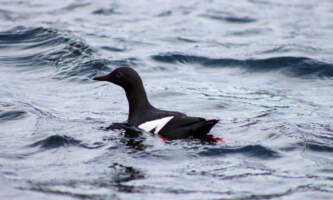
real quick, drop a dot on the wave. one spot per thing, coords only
(318, 147)
(56, 141)
(249, 150)
(124, 173)
(227, 17)
(105, 11)
(11, 115)
(291, 66)
(40, 47)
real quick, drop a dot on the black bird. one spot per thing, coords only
(167, 124)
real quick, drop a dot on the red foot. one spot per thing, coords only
(218, 139)
(165, 139)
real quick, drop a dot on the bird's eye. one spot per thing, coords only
(119, 75)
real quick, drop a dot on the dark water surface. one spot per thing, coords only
(264, 68)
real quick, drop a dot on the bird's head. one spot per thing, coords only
(125, 77)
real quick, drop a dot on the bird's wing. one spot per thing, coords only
(184, 126)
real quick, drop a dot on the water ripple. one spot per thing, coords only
(56, 141)
(291, 66)
(39, 47)
(249, 150)
(11, 115)
(319, 147)
(228, 17)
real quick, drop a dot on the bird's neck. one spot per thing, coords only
(137, 101)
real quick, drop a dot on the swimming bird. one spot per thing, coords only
(167, 124)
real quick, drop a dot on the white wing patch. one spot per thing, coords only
(156, 124)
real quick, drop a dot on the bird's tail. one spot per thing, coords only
(206, 127)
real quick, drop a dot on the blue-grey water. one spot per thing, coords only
(263, 68)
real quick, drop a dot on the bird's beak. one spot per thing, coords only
(100, 78)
